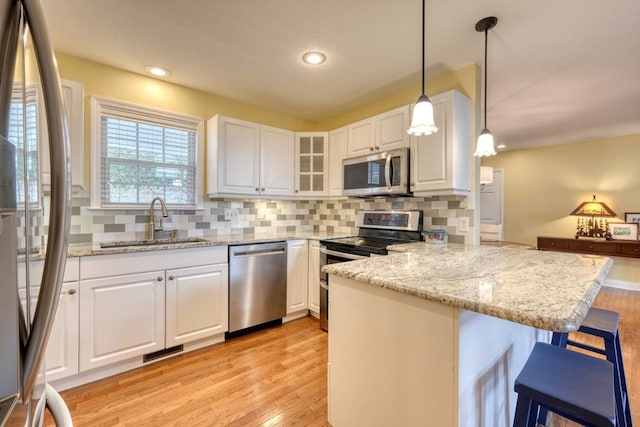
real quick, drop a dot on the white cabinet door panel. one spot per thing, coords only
(197, 303)
(277, 161)
(297, 264)
(121, 317)
(314, 276)
(61, 358)
(361, 138)
(391, 129)
(337, 153)
(238, 166)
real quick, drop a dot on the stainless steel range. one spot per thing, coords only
(376, 231)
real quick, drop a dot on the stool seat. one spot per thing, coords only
(573, 385)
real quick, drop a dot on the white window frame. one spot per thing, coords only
(128, 111)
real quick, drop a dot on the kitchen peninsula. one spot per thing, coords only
(436, 334)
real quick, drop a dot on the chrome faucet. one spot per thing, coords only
(152, 220)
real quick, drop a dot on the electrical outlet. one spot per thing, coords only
(261, 214)
(463, 223)
(234, 214)
(228, 215)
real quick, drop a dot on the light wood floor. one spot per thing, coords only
(275, 377)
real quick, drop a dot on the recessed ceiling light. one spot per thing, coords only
(501, 146)
(156, 71)
(314, 58)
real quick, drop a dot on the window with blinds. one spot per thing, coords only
(144, 153)
(23, 133)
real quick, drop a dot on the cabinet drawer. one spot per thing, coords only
(558, 244)
(595, 247)
(631, 249)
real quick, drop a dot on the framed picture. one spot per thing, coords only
(623, 231)
(632, 217)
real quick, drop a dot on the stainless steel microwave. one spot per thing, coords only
(380, 174)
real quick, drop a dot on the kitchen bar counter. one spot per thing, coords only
(550, 291)
(436, 334)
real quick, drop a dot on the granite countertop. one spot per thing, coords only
(80, 250)
(546, 290)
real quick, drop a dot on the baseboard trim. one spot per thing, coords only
(622, 284)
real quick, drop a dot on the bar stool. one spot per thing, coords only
(570, 384)
(604, 324)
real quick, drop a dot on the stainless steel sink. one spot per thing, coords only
(134, 243)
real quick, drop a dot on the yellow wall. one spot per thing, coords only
(464, 80)
(543, 185)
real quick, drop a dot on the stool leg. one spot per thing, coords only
(558, 339)
(612, 356)
(526, 412)
(623, 381)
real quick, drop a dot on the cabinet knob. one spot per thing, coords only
(159, 279)
(71, 291)
(377, 148)
(262, 189)
(296, 191)
(171, 277)
(257, 189)
(370, 148)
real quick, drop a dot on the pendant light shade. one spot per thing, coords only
(484, 146)
(422, 122)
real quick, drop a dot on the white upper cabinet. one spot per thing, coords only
(276, 161)
(385, 131)
(441, 162)
(72, 93)
(311, 164)
(337, 153)
(361, 137)
(233, 149)
(247, 158)
(391, 129)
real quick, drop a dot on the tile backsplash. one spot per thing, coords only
(260, 217)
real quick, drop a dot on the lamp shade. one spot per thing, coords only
(484, 147)
(486, 175)
(593, 208)
(422, 122)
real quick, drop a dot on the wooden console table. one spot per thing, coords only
(624, 248)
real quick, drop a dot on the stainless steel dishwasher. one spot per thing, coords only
(257, 284)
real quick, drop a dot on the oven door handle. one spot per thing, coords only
(342, 254)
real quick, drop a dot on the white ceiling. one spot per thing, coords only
(559, 71)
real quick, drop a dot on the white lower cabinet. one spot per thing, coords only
(129, 309)
(297, 268)
(197, 303)
(121, 317)
(314, 277)
(61, 358)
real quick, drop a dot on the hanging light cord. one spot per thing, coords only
(486, 30)
(423, 46)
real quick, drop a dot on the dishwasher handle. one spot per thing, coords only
(248, 254)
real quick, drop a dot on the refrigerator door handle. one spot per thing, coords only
(59, 216)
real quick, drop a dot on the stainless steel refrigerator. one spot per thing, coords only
(34, 222)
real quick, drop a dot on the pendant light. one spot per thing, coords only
(484, 146)
(422, 122)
